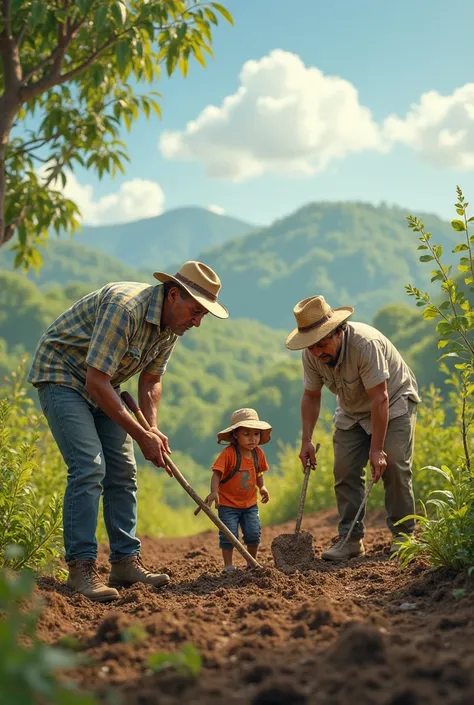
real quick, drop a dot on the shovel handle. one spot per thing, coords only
(129, 401)
(307, 472)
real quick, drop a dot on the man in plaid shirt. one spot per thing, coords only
(105, 338)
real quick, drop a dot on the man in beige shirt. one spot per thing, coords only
(375, 418)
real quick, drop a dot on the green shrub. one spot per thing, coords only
(28, 667)
(30, 509)
(447, 521)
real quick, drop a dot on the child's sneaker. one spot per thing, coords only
(229, 569)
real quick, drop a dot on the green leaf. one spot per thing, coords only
(426, 258)
(430, 312)
(458, 225)
(461, 247)
(37, 13)
(223, 11)
(100, 17)
(122, 52)
(119, 13)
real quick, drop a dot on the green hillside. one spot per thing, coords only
(353, 254)
(67, 261)
(174, 236)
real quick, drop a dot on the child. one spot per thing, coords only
(237, 472)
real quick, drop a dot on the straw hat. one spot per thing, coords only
(248, 418)
(315, 319)
(201, 282)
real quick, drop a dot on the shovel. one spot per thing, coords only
(295, 550)
(130, 402)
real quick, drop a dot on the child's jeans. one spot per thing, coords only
(249, 522)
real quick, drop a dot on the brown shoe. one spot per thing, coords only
(131, 570)
(84, 578)
(338, 552)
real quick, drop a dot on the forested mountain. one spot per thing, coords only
(353, 254)
(175, 236)
(67, 261)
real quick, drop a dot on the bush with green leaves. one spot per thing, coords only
(28, 667)
(447, 521)
(30, 505)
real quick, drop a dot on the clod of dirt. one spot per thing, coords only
(359, 645)
(111, 629)
(319, 613)
(279, 694)
(293, 551)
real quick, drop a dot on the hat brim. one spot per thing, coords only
(299, 341)
(265, 428)
(213, 307)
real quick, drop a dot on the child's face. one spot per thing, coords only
(247, 438)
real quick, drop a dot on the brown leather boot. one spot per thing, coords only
(84, 578)
(338, 552)
(130, 570)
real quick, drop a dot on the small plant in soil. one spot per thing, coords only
(187, 661)
(27, 667)
(447, 521)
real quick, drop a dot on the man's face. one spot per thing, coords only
(183, 312)
(328, 348)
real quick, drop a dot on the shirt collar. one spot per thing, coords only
(153, 314)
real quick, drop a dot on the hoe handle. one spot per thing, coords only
(307, 472)
(173, 470)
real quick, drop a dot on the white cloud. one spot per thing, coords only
(216, 209)
(284, 117)
(135, 199)
(440, 128)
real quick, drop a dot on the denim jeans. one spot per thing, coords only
(100, 460)
(249, 521)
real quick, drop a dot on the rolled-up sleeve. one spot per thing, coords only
(373, 365)
(110, 338)
(312, 380)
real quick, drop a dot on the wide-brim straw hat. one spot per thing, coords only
(315, 319)
(201, 282)
(248, 418)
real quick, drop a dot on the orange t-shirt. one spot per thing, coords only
(241, 490)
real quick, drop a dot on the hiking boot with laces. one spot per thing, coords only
(84, 578)
(338, 552)
(130, 570)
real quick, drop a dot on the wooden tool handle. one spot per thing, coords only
(135, 409)
(307, 472)
(362, 505)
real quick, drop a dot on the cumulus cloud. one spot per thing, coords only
(216, 209)
(135, 199)
(284, 117)
(439, 127)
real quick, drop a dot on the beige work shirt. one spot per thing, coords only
(367, 358)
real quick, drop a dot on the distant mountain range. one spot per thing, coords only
(175, 236)
(353, 253)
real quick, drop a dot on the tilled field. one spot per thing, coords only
(363, 632)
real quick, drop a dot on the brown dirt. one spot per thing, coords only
(365, 631)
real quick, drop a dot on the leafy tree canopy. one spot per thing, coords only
(68, 83)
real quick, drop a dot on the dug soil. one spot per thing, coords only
(364, 632)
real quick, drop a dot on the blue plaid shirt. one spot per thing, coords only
(116, 329)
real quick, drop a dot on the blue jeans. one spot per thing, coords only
(248, 520)
(100, 460)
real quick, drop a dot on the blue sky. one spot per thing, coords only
(317, 138)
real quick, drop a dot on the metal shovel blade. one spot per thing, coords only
(293, 551)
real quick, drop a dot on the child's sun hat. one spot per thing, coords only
(248, 418)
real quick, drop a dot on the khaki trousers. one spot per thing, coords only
(351, 455)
